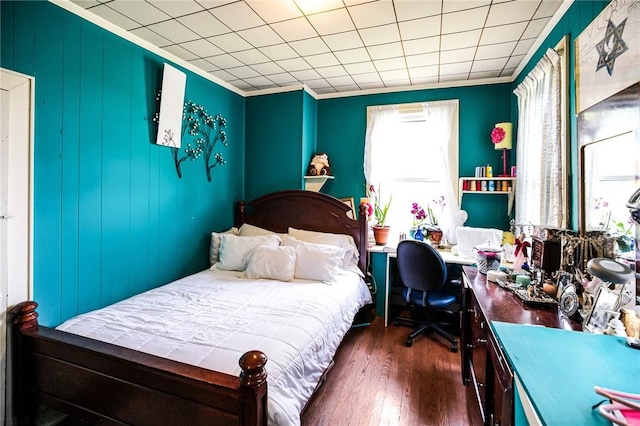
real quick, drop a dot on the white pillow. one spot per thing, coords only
(234, 250)
(248, 230)
(339, 240)
(274, 263)
(318, 262)
(214, 247)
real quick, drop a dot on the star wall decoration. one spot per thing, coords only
(611, 46)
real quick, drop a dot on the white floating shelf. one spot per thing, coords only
(314, 183)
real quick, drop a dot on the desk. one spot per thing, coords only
(390, 252)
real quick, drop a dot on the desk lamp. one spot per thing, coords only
(501, 136)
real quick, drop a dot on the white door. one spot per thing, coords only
(16, 130)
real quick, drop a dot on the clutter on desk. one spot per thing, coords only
(488, 257)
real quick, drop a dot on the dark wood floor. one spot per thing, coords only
(377, 380)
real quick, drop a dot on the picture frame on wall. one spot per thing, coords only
(351, 203)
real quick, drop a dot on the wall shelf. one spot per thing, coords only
(314, 183)
(498, 181)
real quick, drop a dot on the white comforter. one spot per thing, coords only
(211, 318)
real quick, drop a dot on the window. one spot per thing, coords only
(411, 155)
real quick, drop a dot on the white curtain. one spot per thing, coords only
(442, 118)
(540, 174)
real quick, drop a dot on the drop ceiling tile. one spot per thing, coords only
(509, 12)
(408, 9)
(344, 80)
(352, 56)
(465, 20)
(488, 65)
(507, 72)
(222, 75)
(420, 28)
(237, 16)
(180, 52)
(394, 75)
(385, 51)
(115, 17)
(332, 22)
(348, 88)
(424, 80)
(423, 60)
(174, 31)
(204, 24)
(453, 77)
(224, 61)
(457, 5)
(457, 55)
(294, 29)
(309, 7)
(354, 2)
(230, 42)
(390, 64)
(202, 47)
(460, 40)
(295, 64)
(203, 64)
(261, 82)
(261, 36)
(547, 8)
(250, 57)
(372, 14)
(500, 50)
(275, 10)
(243, 72)
(305, 74)
(503, 33)
(139, 11)
(176, 8)
(210, 4)
(242, 85)
(148, 35)
(380, 35)
(535, 27)
(360, 68)
(371, 86)
(514, 61)
(279, 52)
(319, 83)
(310, 46)
(322, 60)
(484, 74)
(284, 78)
(457, 68)
(86, 4)
(343, 41)
(423, 72)
(397, 83)
(268, 68)
(421, 45)
(332, 72)
(325, 90)
(523, 46)
(368, 78)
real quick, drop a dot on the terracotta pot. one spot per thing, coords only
(381, 233)
(435, 236)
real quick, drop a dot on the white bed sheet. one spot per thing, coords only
(211, 318)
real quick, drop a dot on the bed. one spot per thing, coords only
(105, 367)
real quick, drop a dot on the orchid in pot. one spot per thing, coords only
(380, 210)
(433, 230)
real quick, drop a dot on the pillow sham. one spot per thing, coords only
(248, 230)
(234, 250)
(274, 263)
(343, 241)
(317, 262)
(214, 246)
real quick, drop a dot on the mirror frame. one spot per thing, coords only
(600, 116)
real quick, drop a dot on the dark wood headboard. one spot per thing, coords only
(308, 210)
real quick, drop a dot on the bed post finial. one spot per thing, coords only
(253, 384)
(25, 315)
(241, 209)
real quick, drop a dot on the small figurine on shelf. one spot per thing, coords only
(520, 252)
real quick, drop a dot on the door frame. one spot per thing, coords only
(10, 81)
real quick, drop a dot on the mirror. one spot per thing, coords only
(609, 157)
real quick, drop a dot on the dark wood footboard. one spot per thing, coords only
(113, 385)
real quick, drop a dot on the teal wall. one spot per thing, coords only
(341, 133)
(111, 217)
(579, 15)
(309, 132)
(273, 144)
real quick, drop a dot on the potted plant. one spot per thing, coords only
(380, 228)
(433, 230)
(419, 215)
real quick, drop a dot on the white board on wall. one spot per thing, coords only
(171, 105)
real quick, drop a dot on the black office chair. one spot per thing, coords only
(424, 276)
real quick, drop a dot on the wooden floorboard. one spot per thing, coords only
(377, 380)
